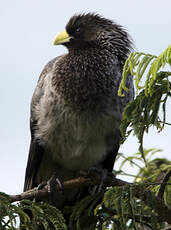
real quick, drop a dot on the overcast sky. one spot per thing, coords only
(27, 30)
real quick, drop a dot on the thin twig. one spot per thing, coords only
(163, 184)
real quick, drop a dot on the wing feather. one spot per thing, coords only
(36, 151)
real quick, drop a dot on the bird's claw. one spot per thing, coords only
(51, 183)
(94, 172)
(42, 185)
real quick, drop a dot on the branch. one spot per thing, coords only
(74, 183)
(163, 185)
(164, 213)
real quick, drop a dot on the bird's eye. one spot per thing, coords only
(77, 30)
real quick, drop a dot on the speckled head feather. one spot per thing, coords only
(83, 19)
(94, 30)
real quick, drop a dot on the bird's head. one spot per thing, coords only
(89, 30)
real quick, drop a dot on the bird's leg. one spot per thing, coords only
(51, 183)
(103, 173)
(94, 172)
(41, 185)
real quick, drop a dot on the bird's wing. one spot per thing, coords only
(113, 140)
(33, 163)
(36, 146)
(113, 143)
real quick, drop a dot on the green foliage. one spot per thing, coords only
(145, 170)
(127, 210)
(151, 173)
(8, 213)
(149, 107)
(137, 63)
(83, 213)
(43, 215)
(122, 208)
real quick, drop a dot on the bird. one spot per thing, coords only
(75, 109)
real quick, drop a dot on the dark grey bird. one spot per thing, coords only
(75, 110)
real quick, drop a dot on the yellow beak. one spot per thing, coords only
(61, 38)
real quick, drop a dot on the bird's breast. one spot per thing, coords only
(74, 140)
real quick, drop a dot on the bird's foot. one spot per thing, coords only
(42, 185)
(95, 172)
(51, 183)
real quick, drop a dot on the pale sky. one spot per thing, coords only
(26, 35)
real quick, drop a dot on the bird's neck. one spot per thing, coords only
(85, 76)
